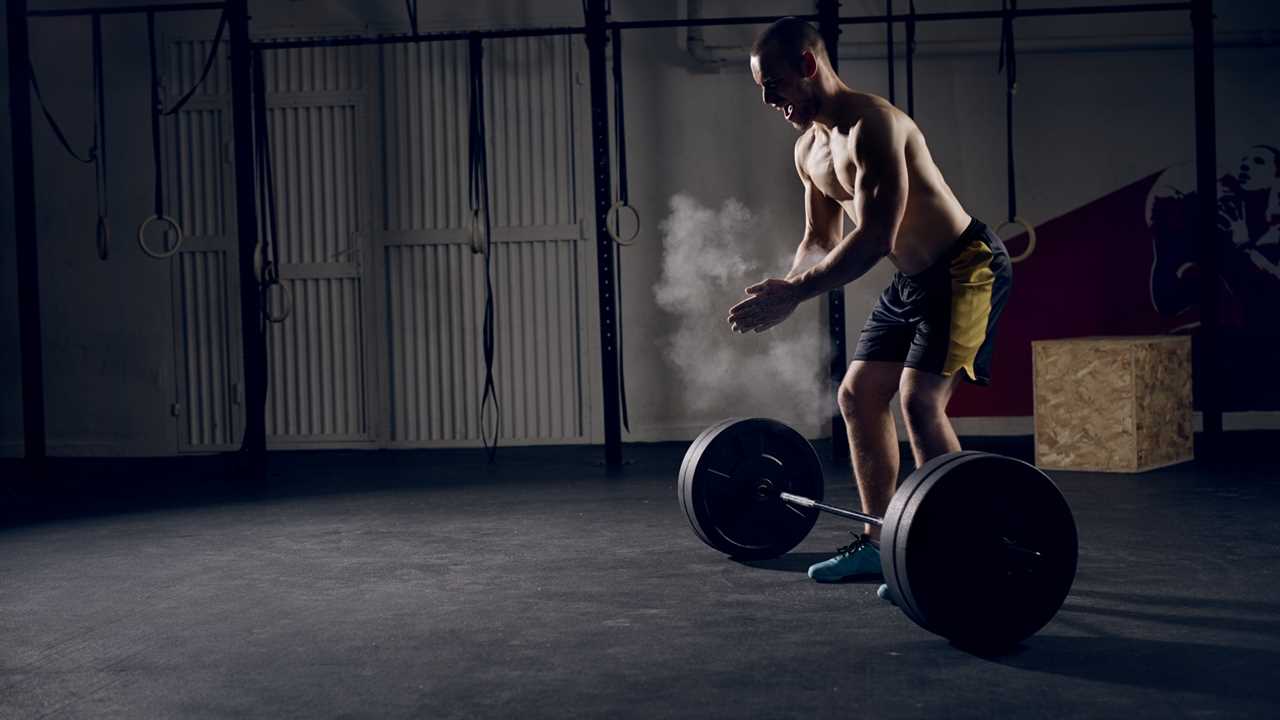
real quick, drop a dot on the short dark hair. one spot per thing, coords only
(790, 36)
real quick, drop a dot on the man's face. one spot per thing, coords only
(786, 90)
(1257, 169)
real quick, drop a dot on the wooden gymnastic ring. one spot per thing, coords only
(615, 211)
(142, 240)
(286, 298)
(1031, 237)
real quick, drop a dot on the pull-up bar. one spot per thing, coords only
(419, 38)
(917, 17)
(128, 9)
(1020, 13)
(716, 22)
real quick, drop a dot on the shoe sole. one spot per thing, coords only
(863, 577)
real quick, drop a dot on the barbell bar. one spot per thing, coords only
(805, 502)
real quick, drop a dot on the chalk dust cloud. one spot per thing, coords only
(709, 256)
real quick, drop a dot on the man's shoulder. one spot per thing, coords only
(878, 127)
(874, 122)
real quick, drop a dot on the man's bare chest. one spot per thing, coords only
(830, 167)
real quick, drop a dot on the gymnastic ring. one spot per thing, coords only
(104, 238)
(1031, 237)
(142, 240)
(615, 211)
(286, 301)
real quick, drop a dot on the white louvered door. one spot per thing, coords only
(433, 280)
(383, 346)
(199, 183)
(317, 109)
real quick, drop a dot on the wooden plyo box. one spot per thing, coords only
(1114, 404)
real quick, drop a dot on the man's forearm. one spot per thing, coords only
(809, 253)
(857, 253)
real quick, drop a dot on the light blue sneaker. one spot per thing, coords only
(859, 559)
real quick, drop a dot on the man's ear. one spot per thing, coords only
(808, 65)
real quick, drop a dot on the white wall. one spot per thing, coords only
(1088, 123)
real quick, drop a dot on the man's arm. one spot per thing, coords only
(823, 218)
(879, 153)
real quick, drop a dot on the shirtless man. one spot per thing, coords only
(860, 156)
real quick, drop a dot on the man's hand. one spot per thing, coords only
(771, 302)
(1231, 220)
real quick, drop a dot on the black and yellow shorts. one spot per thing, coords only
(943, 320)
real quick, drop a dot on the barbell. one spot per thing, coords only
(976, 547)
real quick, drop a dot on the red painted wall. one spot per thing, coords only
(1090, 274)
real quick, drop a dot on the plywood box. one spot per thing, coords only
(1119, 404)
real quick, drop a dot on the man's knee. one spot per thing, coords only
(923, 406)
(864, 391)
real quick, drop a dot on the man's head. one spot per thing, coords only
(788, 60)
(1259, 168)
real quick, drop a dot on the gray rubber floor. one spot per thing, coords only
(430, 585)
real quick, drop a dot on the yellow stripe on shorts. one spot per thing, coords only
(971, 284)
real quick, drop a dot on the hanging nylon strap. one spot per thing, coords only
(479, 195)
(269, 231)
(156, 159)
(156, 109)
(620, 134)
(1008, 65)
(208, 65)
(57, 130)
(103, 233)
(613, 219)
(411, 7)
(619, 118)
(97, 152)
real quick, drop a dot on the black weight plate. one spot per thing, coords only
(979, 548)
(891, 562)
(721, 491)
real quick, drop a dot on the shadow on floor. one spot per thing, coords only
(1257, 626)
(791, 562)
(75, 488)
(1180, 601)
(1219, 670)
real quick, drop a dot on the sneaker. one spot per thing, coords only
(883, 593)
(859, 559)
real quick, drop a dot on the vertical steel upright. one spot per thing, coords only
(888, 44)
(24, 221)
(597, 38)
(1210, 249)
(253, 338)
(829, 27)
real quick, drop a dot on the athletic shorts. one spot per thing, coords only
(943, 319)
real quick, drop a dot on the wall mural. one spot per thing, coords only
(1125, 265)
